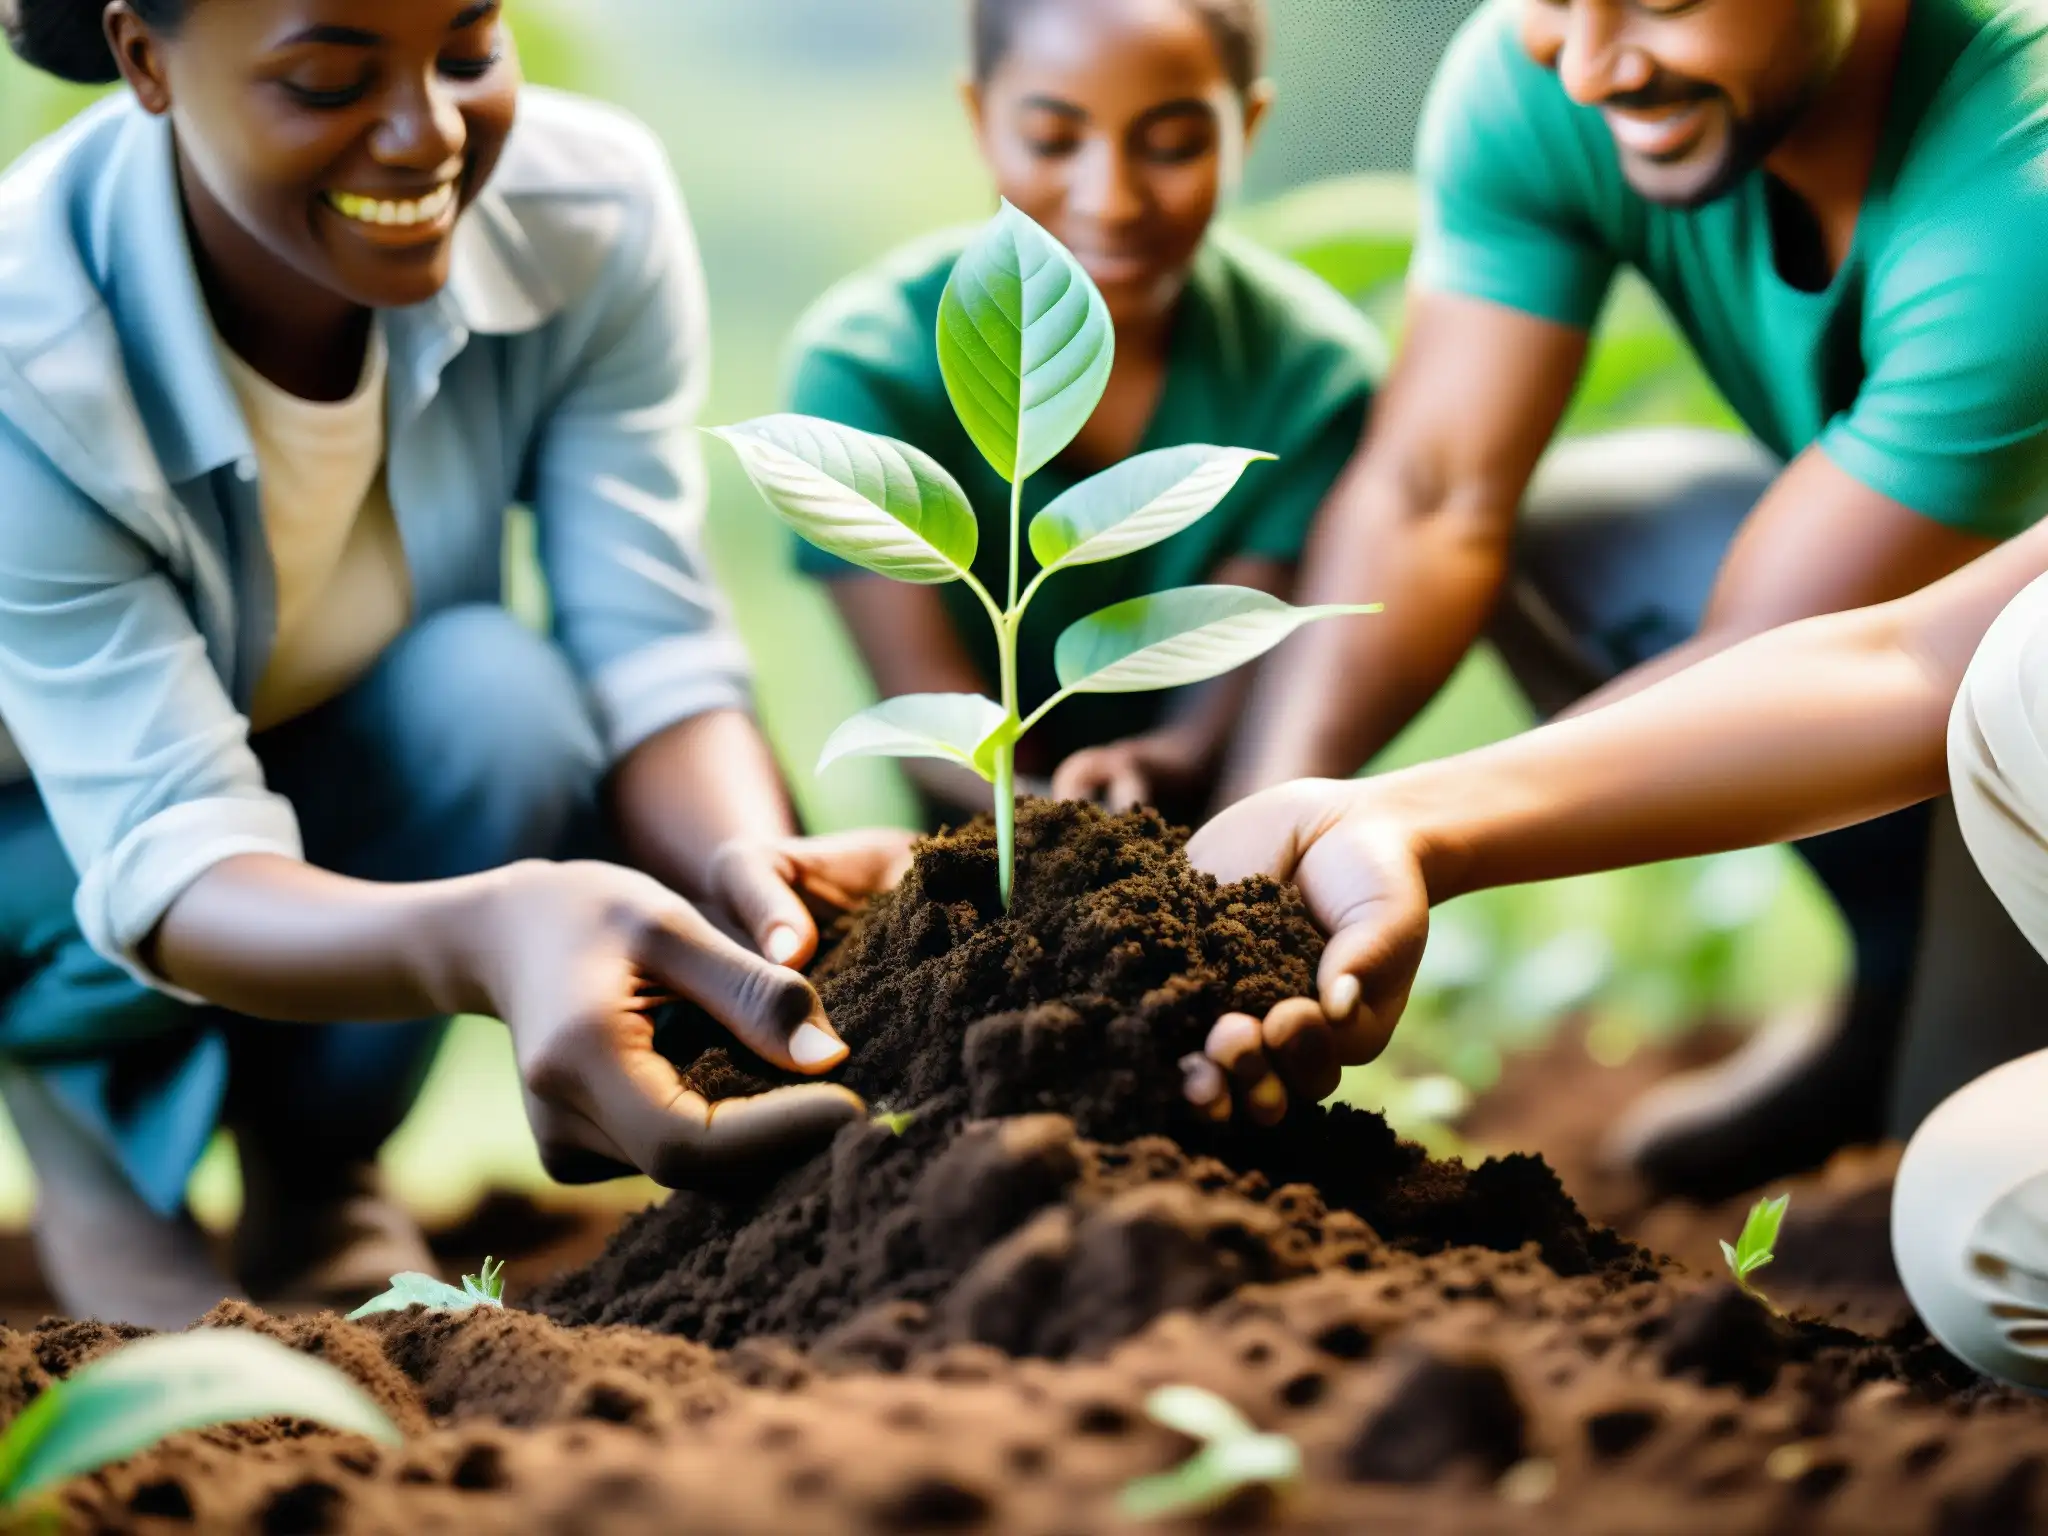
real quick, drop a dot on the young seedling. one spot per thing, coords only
(127, 1401)
(413, 1289)
(1025, 346)
(895, 1121)
(1233, 1456)
(1757, 1245)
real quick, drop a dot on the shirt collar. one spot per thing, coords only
(127, 229)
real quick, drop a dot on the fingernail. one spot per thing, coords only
(783, 942)
(1341, 1001)
(1270, 1096)
(811, 1046)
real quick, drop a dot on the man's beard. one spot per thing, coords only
(1749, 142)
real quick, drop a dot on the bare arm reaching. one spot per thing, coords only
(1425, 515)
(1795, 732)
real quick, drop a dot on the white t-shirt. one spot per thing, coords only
(344, 591)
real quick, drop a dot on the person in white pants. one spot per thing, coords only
(1799, 731)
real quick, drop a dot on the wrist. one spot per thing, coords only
(1436, 843)
(465, 936)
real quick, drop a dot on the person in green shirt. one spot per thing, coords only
(1119, 125)
(1842, 204)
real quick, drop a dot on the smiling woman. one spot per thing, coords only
(291, 323)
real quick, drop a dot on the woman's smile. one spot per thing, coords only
(400, 221)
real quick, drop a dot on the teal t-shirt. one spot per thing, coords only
(1264, 355)
(1921, 370)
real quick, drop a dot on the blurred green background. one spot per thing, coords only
(810, 137)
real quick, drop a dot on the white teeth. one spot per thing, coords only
(370, 210)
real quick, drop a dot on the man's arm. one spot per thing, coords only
(1819, 542)
(1422, 521)
(910, 646)
(1795, 732)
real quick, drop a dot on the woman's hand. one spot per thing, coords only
(773, 890)
(1161, 768)
(572, 957)
(1357, 864)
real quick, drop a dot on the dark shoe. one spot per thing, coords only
(327, 1238)
(1805, 1086)
(104, 1252)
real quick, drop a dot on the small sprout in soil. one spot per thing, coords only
(896, 1121)
(1758, 1244)
(413, 1289)
(1025, 345)
(125, 1402)
(1234, 1456)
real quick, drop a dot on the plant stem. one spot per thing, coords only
(1006, 817)
(1016, 546)
(1006, 754)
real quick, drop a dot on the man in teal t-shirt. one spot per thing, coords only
(1844, 206)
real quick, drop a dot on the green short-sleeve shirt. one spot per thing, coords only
(1264, 355)
(1922, 369)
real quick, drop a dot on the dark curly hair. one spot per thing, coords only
(68, 38)
(1239, 27)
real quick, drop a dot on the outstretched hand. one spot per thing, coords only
(772, 892)
(573, 957)
(1157, 769)
(1364, 885)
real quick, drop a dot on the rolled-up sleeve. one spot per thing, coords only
(619, 487)
(113, 702)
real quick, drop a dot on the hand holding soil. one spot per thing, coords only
(1362, 879)
(776, 891)
(573, 956)
(1159, 769)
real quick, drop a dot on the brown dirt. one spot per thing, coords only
(953, 1329)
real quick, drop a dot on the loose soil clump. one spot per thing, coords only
(952, 1325)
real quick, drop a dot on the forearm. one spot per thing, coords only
(1795, 732)
(1334, 695)
(688, 791)
(278, 939)
(1689, 653)
(907, 639)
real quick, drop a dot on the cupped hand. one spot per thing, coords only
(774, 890)
(1357, 868)
(573, 956)
(1155, 769)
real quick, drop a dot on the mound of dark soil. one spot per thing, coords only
(954, 1327)
(1113, 964)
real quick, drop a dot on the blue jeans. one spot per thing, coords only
(468, 746)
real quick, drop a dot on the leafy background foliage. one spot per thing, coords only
(812, 136)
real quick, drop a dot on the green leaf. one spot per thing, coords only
(1757, 1246)
(1759, 1240)
(1137, 504)
(1233, 1456)
(489, 1287)
(950, 726)
(127, 1401)
(1196, 1413)
(413, 1289)
(1025, 345)
(1170, 639)
(884, 505)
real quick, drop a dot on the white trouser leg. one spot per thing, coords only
(1970, 1210)
(1970, 1223)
